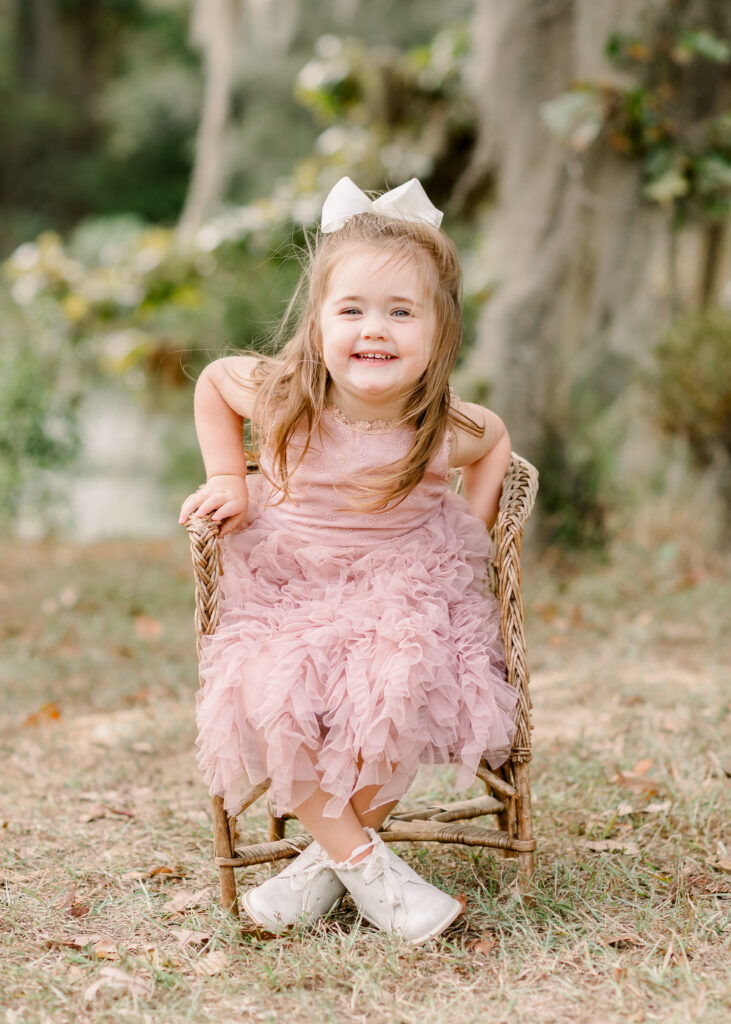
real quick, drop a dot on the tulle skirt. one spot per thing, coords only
(350, 666)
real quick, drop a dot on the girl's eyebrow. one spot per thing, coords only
(391, 298)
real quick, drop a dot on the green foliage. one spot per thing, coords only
(37, 405)
(132, 305)
(100, 116)
(579, 479)
(120, 303)
(389, 114)
(664, 120)
(572, 494)
(691, 381)
(63, 106)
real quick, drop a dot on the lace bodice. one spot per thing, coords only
(364, 426)
(318, 508)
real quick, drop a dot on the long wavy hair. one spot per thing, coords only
(292, 387)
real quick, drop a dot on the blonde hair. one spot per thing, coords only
(291, 387)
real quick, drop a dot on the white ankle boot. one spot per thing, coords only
(390, 895)
(301, 893)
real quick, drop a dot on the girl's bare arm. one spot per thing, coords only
(484, 461)
(221, 404)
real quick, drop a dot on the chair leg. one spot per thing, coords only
(276, 827)
(224, 848)
(526, 860)
(505, 819)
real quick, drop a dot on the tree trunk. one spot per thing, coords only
(582, 262)
(37, 37)
(214, 29)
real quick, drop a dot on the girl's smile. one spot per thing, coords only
(377, 326)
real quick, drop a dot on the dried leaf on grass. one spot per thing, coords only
(612, 846)
(102, 946)
(67, 900)
(164, 873)
(623, 940)
(657, 807)
(163, 869)
(114, 978)
(70, 941)
(482, 946)
(147, 628)
(707, 885)
(212, 963)
(97, 811)
(106, 949)
(189, 937)
(186, 900)
(635, 780)
(78, 910)
(47, 712)
(71, 903)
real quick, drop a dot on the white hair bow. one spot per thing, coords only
(407, 202)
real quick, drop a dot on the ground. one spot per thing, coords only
(111, 896)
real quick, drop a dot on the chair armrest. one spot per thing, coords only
(516, 504)
(205, 551)
(520, 488)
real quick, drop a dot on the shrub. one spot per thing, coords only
(691, 381)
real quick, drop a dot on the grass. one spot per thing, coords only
(106, 831)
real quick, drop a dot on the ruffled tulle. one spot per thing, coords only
(346, 668)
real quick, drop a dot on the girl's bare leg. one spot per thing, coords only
(370, 819)
(341, 836)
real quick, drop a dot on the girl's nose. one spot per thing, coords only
(373, 327)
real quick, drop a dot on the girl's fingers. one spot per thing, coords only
(188, 509)
(230, 508)
(211, 504)
(219, 503)
(233, 523)
(190, 504)
(185, 512)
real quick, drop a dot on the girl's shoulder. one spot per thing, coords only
(475, 432)
(234, 379)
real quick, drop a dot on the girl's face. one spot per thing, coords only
(377, 326)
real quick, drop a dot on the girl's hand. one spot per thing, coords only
(226, 496)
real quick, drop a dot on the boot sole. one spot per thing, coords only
(459, 909)
(279, 928)
(274, 929)
(437, 930)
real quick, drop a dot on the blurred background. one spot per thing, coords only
(161, 159)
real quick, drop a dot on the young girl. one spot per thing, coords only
(357, 639)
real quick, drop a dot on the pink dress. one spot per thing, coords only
(352, 648)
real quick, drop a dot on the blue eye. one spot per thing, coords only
(405, 312)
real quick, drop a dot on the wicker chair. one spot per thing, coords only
(507, 789)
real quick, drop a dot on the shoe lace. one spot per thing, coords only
(306, 875)
(380, 867)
